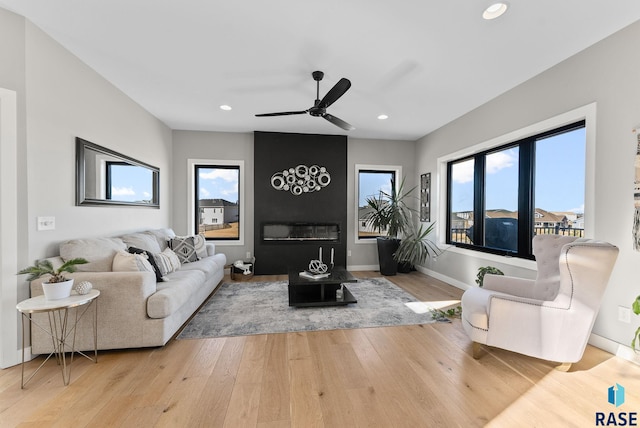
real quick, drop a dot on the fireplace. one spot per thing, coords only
(297, 232)
(300, 200)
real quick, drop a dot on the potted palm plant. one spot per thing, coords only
(57, 285)
(403, 241)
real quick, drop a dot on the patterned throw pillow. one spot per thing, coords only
(152, 261)
(185, 248)
(167, 261)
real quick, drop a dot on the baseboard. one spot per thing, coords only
(615, 348)
(451, 281)
(363, 267)
(18, 357)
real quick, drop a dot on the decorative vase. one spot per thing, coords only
(57, 290)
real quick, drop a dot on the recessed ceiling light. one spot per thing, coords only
(225, 107)
(383, 117)
(494, 11)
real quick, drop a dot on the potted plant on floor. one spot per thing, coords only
(57, 286)
(403, 242)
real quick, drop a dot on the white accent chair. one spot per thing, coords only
(550, 317)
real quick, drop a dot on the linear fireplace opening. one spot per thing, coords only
(287, 232)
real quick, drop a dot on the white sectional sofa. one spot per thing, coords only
(136, 308)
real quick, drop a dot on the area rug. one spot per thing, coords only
(246, 308)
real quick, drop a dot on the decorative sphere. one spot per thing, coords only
(83, 287)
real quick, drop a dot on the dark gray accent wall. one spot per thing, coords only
(276, 152)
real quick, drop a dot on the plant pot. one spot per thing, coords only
(57, 290)
(386, 249)
(405, 267)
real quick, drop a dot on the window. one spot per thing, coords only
(217, 201)
(371, 182)
(520, 189)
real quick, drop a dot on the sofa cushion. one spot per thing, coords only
(167, 261)
(99, 252)
(162, 236)
(143, 241)
(208, 265)
(124, 261)
(185, 248)
(174, 293)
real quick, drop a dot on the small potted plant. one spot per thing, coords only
(482, 271)
(57, 285)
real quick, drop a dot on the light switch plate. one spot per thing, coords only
(46, 223)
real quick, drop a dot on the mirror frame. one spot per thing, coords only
(81, 199)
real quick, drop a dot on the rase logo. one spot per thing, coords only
(615, 396)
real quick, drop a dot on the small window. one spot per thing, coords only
(372, 183)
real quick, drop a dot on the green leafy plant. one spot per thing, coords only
(485, 270)
(44, 267)
(440, 315)
(391, 213)
(636, 310)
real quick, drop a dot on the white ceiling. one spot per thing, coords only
(422, 62)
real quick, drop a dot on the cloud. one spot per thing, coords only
(146, 194)
(230, 175)
(204, 193)
(463, 171)
(122, 191)
(500, 160)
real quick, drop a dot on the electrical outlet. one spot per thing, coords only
(248, 255)
(348, 253)
(46, 223)
(624, 314)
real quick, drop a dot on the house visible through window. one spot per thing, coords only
(531, 186)
(217, 200)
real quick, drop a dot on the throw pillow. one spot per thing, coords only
(126, 262)
(185, 248)
(150, 258)
(167, 261)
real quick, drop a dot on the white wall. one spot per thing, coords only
(607, 74)
(59, 98)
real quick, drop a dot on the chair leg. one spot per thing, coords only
(564, 367)
(476, 350)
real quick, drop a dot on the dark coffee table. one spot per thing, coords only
(305, 292)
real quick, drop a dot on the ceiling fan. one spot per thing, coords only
(320, 105)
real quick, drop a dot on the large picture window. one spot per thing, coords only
(217, 201)
(499, 198)
(372, 182)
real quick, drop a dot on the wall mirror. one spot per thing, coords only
(105, 177)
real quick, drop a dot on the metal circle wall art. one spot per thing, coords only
(301, 179)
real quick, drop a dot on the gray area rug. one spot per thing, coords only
(246, 308)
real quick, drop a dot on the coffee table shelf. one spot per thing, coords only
(305, 292)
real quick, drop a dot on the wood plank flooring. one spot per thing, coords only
(408, 376)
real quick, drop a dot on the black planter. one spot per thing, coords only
(405, 267)
(386, 248)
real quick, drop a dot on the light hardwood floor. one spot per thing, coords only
(408, 376)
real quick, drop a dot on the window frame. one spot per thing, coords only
(585, 113)
(396, 169)
(191, 192)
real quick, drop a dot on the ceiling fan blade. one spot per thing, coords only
(283, 113)
(339, 122)
(336, 92)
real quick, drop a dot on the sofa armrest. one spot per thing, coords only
(510, 285)
(122, 311)
(211, 249)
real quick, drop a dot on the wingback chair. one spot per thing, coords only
(550, 317)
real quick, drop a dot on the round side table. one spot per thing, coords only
(60, 327)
